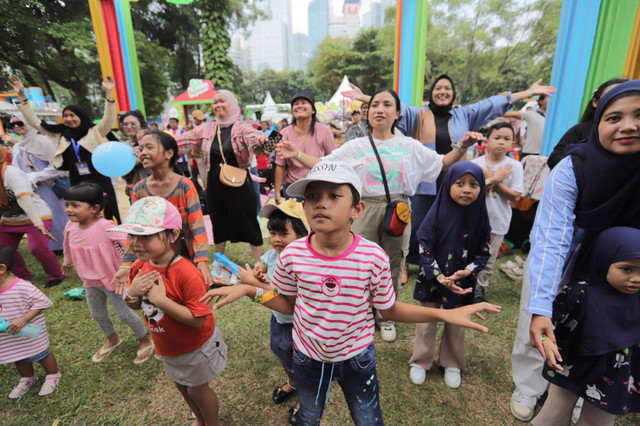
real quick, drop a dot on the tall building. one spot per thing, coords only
(300, 52)
(318, 13)
(337, 27)
(375, 16)
(236, 53)
(351, 14)
(270, 42)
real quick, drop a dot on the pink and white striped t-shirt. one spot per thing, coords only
(333, 316)
(16, 300)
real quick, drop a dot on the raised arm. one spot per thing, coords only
(25, 109)
(109, 117)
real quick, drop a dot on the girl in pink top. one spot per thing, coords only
(21, 303)
(97, 255)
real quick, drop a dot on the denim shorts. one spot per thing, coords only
(281, 342)
(37, 357)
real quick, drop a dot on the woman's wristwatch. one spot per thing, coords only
(459, 147)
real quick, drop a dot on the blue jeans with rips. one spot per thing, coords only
(356, 376)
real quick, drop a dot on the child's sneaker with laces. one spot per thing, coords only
(523, 405)
(50, 384)
(24, 385)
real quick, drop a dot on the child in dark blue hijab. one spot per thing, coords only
(454, 248)
(596, 326)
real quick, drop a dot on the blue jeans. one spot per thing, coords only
(357, 377)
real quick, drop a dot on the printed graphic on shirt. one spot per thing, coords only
(393, 160)
(330, 285)
(152, 314)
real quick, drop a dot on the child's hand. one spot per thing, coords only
(450, 282)
(228, 294)
(16, 325)
(141, 284)
(247, 275)
(551, 354)
(487, 171)
(121, 279)
(67, 269)
(501, 174)
(462, 316)
(157, 292)
(203, 267)
(260, 275)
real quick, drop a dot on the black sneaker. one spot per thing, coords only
(293, 416)
(52, 283)
(478, 295)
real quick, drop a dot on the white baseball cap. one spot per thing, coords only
(327, 171)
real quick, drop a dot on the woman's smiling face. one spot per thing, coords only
(619, 127)
(442, 92)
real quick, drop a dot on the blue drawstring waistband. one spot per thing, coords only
(320, 384)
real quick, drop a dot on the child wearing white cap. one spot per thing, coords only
(331, 281)
(168, 288)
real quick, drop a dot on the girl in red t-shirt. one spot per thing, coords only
(168, 287)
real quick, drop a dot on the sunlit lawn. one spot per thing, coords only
(117, 392)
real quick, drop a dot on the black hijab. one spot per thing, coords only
(68, 132)
(609, 184)
(610, 317)
(441, 110)
(441, 116)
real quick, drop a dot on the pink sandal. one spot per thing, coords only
(50, 384)
(23, 387)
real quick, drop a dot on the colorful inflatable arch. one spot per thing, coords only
(117, 50)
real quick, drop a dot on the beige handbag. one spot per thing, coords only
(230, 175)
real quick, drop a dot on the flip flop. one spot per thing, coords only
(105, 352)
(140, 352)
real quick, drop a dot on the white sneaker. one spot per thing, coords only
(388, 331)
(523, 406)
(577, 410)
(24, 385)
(417, 374)
(452, 377)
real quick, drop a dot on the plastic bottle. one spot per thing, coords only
(29, 330)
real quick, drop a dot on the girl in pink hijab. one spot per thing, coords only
(232, 209)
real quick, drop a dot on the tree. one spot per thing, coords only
(282, 85)
(50, 42)
(329, 64)
(218, 17)
(488, 46)
(153, 61)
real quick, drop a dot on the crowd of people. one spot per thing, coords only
(436, 187)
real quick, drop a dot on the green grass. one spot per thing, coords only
(117, 392)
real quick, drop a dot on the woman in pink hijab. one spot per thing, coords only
(232, 209)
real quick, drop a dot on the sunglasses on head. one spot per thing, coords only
(17, 124)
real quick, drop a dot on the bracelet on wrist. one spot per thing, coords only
(110, 101)
(299, 155)
(128, 298)
(459, 147)
(440, 278)
(125, 267)
(544, 337)
(270, 295)
(530, 93)
(65, 264)
(258, 295)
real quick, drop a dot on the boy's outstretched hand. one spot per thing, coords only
(225, 295)
(462, 316)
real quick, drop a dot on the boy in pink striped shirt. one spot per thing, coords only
(331, 281)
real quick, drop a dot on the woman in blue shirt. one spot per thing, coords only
(593, 189)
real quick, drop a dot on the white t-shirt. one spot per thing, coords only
(17, 184)
(535, 128)
(333, 316)
(406, 163)
(497, 206)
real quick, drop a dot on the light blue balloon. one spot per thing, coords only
(113, 159)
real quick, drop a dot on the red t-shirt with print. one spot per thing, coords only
(184, 285)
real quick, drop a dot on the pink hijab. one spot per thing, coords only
(234, 110)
